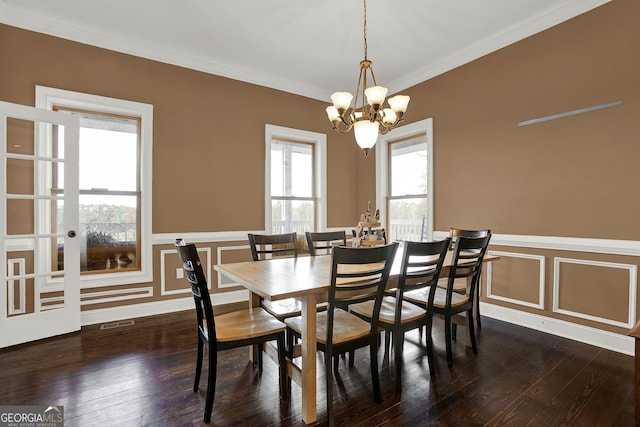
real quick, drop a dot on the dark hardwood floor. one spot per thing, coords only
(142, 375)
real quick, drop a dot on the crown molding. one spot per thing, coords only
(512, 34)
(70, 30)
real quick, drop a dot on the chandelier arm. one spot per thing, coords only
(373, 76)
(355, 102)
(342, 127)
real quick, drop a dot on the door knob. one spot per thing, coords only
(71, 233)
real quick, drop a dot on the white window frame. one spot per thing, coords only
(382, 168)
(319, 142)
(46, 98)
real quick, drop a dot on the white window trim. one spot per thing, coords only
(319, 141)
(46, 98)
(382, 171)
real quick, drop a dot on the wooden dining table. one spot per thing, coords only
(306, 278)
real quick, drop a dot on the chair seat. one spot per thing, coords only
(290, 307)
(421, 296)
(282, 309)
(459, 285)
(410, 312)
(244, 324)
(456, 299)
(346, 326)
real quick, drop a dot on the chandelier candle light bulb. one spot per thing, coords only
(367, 119)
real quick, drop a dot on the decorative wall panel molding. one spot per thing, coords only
(541, 280)
(114, 295)
(16, 267)
(179, 273)
(633, 274)
(103, 315)
(224, 281)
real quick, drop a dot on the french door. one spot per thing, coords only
(39, 250)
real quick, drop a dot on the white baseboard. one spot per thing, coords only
(103, 315)
(609, 340)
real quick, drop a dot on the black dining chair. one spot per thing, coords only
(322, 242)
(269, 246)
(420, 270)
(468, 255)
(226, 331)
(460, 286)
(357, 275)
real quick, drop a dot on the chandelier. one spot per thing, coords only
(368, 119)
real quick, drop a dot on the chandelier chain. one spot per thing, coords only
(365, 29)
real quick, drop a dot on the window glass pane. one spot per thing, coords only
(302, 171)
(407, 218)
(409, 172)
(292, 215)
(108, 159)
(291, 169)
(108, 227)
(277, 169)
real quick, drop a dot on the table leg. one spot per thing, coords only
(254, 301)
(309, 359)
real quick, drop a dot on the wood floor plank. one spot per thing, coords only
(142, 375)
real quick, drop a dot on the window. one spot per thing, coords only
(405, 177)
(295, 180)
(114, 184)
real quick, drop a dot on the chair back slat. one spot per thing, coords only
(322, 243)
(265, 246)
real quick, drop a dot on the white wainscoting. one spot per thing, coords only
(604, 339)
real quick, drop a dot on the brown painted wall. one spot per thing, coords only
(208, 130)
(572, 177)
(575, 177)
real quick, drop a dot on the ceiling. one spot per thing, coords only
(310, 48)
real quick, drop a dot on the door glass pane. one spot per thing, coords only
(20, 136)
(20, 217)
(21, 173)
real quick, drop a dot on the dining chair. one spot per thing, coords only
(226, 331)
(468, 255)
(321, 243)
(460, 286)
(269, 246)
(357, 275)
(420, 269)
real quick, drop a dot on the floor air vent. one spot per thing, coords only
(118, 324)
